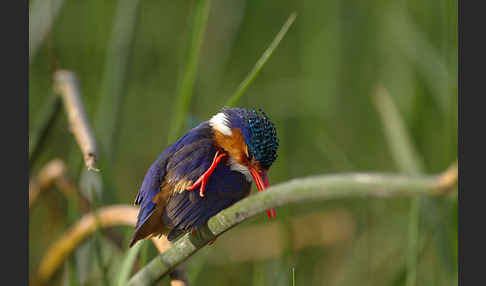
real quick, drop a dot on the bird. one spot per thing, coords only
(208, 169)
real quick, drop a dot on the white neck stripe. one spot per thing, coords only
(220, 123)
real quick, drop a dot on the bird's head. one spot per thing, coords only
(250, 140)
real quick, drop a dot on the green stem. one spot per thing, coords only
(42, 15)
(189, 76)
(45, 121)
(144, 254)
(98, 243)
(297, 190)
(293, 276)
(128, 262)
(117, 62)
(261, 62)
(399, 141)
(413, 237)
(408, 161)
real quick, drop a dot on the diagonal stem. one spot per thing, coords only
(297, 190)
(261, 62)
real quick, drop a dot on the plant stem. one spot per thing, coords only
(115, 71)
(408, 161)
(46, 120)
(261, 62)
(67, 86)
(42, 15)
(114, 215)
(413, 238)
(399, 141)
(188, 78)
(127, 264)
(293, 276)
(294, 191)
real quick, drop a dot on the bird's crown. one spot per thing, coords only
(258, 131)
(263, 141)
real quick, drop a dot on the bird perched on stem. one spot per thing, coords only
(207, 170)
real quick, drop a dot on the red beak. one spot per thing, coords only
(261, 180)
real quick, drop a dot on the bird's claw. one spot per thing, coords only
(271, 213)
(205, 177)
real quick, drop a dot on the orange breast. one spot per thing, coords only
(234, 145)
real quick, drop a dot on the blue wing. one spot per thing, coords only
(186, 211)
(186, 159)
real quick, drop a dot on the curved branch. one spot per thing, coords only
(297, 190)
(44, 179)
(116, 215)
(55, 172)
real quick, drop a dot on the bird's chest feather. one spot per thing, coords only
(187, 210)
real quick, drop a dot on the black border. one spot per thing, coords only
(14, 25)
(471, 120)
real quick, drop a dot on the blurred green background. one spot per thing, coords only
(318, 88)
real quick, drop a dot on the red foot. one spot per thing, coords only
(205, 177)
(271, 213)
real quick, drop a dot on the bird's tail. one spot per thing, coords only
(152, 226)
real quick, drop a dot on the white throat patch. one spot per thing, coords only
(220, 122)
(235, 166)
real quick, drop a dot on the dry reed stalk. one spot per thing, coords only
(55, 172)
(116, 215)
(66, 84)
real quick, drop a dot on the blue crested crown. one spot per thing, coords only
(263, 143)
(259, 133)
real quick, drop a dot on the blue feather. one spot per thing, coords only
(187, 211)
(186, 160)
(172, 158)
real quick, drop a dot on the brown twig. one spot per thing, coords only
(447, 179)
(55, 172)
(67, 86)
(178, 277)
(116, 215)
(44, 180)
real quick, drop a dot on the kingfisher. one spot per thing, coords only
(207, 170)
